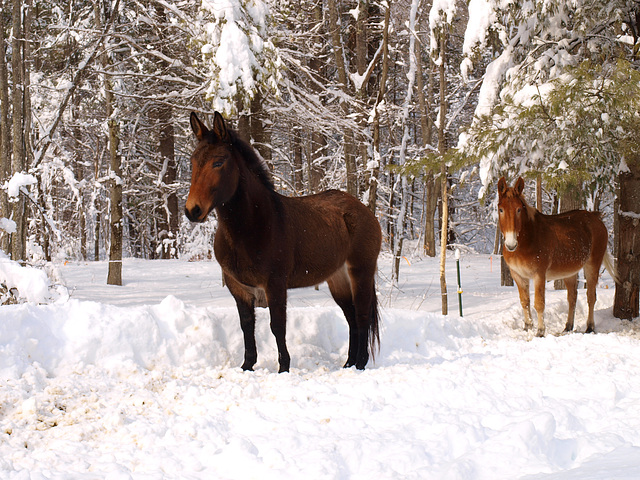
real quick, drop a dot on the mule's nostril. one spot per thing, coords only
(194, 213)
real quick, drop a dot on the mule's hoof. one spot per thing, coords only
(590, 330)
(528, 326)
(540, 333)
(349, 363)
(247, 368)
(568, 329)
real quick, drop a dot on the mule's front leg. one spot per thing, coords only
(245, 304)
(539, 285)
(277, 300)
(525, 300)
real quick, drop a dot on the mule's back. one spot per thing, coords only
(577, 237)
(330, 229)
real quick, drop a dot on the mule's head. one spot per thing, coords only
(511, 211)
(214, 171)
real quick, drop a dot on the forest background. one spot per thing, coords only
(416, 107)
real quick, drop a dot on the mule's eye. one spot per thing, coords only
(217, 164)
(501, 210)
(518, 211)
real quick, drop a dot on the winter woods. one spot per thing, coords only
(396, 102)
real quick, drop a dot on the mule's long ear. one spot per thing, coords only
(199, 129)
(219, 127)
(502, 186)
(519, 186)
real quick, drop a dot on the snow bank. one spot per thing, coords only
(134, 382)
(31, 283)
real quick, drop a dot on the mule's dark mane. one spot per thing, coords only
(254, 162)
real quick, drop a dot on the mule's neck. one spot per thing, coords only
(252, 206)
(530, 225)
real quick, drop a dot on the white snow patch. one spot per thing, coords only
(142, 381)
(17, 181)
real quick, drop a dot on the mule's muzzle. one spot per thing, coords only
(194, 214)
(510, 241)
(511, 248)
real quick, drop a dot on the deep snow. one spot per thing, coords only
(142, 382)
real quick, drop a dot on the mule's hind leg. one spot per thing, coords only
(277, 301)
(363, 287)
(572, 295)
(591, 274)
(340, 288)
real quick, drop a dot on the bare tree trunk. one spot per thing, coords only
(5, 133)
(443, 175)
(298, 180)
(114, 276)
(401, 221)
(374, 174)
(316, 171)
(96, 237)
(349, 141)
(362, 48)
(539, 194)
(167, 215)
(17, 159)
(260, 134)
(626, 303)
(431, 185)
(506, 280)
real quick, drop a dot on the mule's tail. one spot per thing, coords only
(374, 327)
(610, 265)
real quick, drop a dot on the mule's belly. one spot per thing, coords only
(532, 268)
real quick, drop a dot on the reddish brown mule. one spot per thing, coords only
(267, 243)
(550, 247)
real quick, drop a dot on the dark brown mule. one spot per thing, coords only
(550, 247)
(267, 243)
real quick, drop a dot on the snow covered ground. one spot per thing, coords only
(143, 382)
